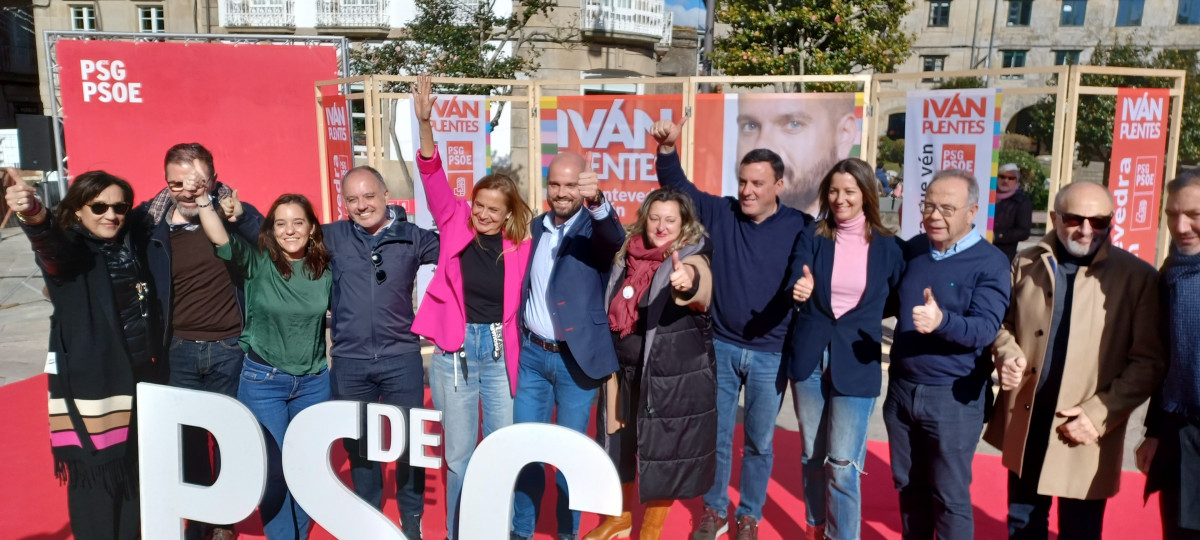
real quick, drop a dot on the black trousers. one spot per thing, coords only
(99, 514)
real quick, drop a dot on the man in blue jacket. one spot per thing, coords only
(952, 298)
(566, 348)
(752, 238)
(375, 357)
(200, 295)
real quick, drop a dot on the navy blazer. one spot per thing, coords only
(576, 288)
(854, 339)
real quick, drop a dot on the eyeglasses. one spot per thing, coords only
(946, 210)
(100, 208)
(177, 185)
(380, 275)
(1075, 220)
(1007, 176)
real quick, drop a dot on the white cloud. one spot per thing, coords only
(685, 16)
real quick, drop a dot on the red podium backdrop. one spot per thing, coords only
(125, 103)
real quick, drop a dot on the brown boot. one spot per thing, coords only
(653, 519)
(815, 533)
(617, 526)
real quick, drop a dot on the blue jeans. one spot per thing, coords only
(276, 398)
(761, 374)
(397, 381)
(211, 366)
(459, 382)
(833, 427)
(933, 432)
(547, 380)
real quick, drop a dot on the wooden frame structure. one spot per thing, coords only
(1076, 89)
(1064, 84)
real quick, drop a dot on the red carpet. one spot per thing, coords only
(33, 506)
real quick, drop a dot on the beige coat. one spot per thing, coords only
(1114, 361)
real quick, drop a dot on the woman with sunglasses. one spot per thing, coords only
(470, 308)
(101, 345)
(843, 268)
(285, 369)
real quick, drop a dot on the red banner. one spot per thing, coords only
(1135, 180)
(126, 103)
(338, 152)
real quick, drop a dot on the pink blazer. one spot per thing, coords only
(442, 316)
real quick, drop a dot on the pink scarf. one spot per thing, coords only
(640, 264)
(1001, 195)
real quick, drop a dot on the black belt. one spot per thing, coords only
(550, 346)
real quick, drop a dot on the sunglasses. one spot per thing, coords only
(1007, 177)
(380, 275)
(100, 208)
(1075, 220)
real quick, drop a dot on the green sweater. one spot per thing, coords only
(285, 318)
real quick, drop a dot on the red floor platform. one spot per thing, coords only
(33, 506)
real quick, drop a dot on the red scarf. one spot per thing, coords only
(640, 264)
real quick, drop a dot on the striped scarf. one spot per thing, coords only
(1181, 282)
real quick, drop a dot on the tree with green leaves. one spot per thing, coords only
(1094, 129)
(451, 38)
(811, 37)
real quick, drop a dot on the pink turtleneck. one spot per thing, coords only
(849, 278)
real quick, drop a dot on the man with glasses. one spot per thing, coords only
(375, 357)
(951, 298)
(1079, 349)
(1014, 211)
(200, 295)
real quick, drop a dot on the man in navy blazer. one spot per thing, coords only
(566, 345)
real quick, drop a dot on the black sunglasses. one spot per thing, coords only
(1097, 222)
(380, 275)
(100, 208)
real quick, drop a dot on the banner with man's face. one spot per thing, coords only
(810, 132)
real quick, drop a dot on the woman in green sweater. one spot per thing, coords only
(285, 369)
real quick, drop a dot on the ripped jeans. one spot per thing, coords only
(833, 428)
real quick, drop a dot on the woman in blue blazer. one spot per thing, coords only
(843, 267)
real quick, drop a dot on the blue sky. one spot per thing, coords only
(687, 12)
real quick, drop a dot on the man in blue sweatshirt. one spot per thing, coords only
(752, 239)
(952, 298)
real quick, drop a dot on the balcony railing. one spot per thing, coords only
(638, 18)
(353, 13)
(260, 13)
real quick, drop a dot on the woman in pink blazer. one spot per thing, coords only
(470, 308)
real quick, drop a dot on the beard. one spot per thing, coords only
(801, 192)
(1079, 249)
(569, 213)
(188, 212)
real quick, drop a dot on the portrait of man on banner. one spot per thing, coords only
(811, 132)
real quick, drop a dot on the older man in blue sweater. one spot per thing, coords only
(752, 239)
(952, 298)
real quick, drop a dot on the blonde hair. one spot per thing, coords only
(516, 226)
(690, 229)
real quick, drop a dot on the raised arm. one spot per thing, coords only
(670, 172)
(438, 196)
(54, 252)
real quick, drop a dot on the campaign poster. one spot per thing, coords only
(810, 132)
(125, 103)
(1135, 178)
(950, 129)
(461, 131)
(338, 153)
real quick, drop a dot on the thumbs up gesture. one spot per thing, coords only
(682, 278)
(20, 196)
(927, 317)
(803, 287)
(232, 207)
(1011, 371)
(589, 181)
(665, 133)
